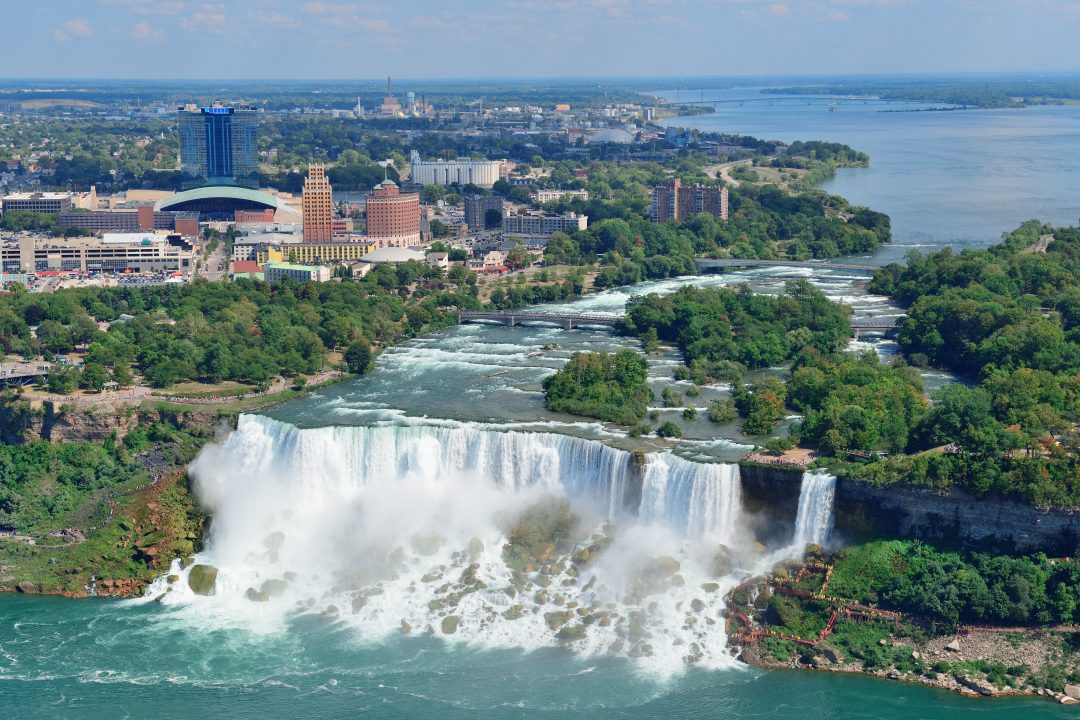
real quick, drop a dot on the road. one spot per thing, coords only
(723, 170)
(216, 266)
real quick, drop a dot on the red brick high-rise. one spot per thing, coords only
(393, 217)
(318, 205)
(672, 201)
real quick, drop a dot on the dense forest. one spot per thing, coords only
(714, 327)
(1006, 318)
(602, 385)
(243, 331)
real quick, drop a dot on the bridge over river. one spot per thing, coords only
(511, 318)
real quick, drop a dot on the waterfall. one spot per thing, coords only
(814, 521)
(447, 529)
(701, 500)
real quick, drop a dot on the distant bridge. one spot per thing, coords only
(808, 99)
(511, 318)
(706, 264)
(884, 325)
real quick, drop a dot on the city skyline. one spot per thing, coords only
(525, 38)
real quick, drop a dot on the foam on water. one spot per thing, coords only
(401, 529)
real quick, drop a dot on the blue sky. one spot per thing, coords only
(279, 39)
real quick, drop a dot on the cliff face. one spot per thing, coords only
(57, 423)
(991, 524)
(771, 497)
(864, 512)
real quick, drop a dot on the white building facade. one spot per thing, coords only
(482, 173)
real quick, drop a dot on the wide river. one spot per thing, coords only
(367, 493)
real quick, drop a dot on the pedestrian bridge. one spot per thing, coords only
(510, 318)
(883, 325)
(569, 321)
(708, 264)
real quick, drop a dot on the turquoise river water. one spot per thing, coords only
(370, 505)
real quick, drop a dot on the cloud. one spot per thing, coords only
(778, 10)
(145, 32)
(205, 17)
(73, 29)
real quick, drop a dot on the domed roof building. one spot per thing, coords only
(612, 135)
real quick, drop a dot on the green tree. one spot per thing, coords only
(359, 358)
(94, 376)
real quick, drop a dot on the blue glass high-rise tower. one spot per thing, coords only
(218, 146)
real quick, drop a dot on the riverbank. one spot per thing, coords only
(116, 539)
(791, 618)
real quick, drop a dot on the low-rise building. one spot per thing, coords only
(439, 260)
(275, 271)
(393, 255)
(546, 196)
(536, 228)
(143, 218)
(115, 252)
(492, 261)
(43, 202)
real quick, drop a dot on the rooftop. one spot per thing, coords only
(38, 196)
(292, 266)
(392, 255)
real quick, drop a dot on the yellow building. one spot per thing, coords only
(314, 253)
(318, 206)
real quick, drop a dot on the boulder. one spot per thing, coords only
(979, 685)
(273, 541)
(256, 595)
(834, 655)
(953, 646)
(274, 587)
(542, 551)
(722, 563)
(710, 587)
(202, 578)
(1073, 691)
(450, 624)
(426, 544)
(666, 566)
(571, 632)
(820, 662)
(28, 588)
(514, 612)
(476, 548)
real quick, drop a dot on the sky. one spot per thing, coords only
(355, 39)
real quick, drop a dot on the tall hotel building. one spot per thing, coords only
(218, 146)
(393, 217)
(318, 206)
(672, 201)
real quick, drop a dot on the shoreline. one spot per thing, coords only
(974, 661)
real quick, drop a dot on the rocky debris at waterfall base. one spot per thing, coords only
(202, 579)
(983, 663)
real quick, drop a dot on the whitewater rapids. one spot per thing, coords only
(404, 529)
